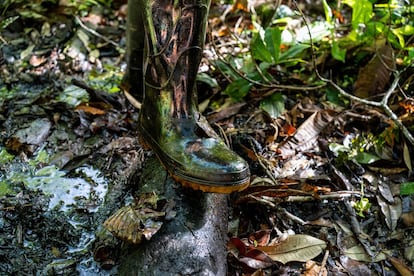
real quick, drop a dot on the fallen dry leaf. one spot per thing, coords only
(402, 268)
(391, 212)
(306, 136)
(358, 253)
(313, 269)
(299, 248)
(90, 109)
(373, 78)
(248, 254)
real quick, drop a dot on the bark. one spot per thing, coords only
(192, 243)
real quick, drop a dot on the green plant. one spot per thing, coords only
(359, 149)
(269, 49)
(373, 21)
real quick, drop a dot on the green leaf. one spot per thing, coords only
(226, 69)
(338, 53)
(5, 157)
(407, 188)
(274, 105)
(361, 12)
(273, 38)
(238, 89)
(318, 30)
(7, 21)
(333, 96)
(366, 158)
(259, 50)
(328, 11)
(362, 206)
(293, 52)
(5, 189)
(207, 79)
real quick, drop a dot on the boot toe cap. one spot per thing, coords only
(208, 165)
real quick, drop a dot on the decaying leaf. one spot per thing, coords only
(132, 222)
(391, 212)
(306, 136)
(385, 190)
(358, 253)
(373, 77)
(354, 267)
(407, 157)
(300, 248)
(248, 254)
(313, 269)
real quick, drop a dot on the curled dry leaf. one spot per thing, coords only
(131, 223)
(313, 269)
(306, 136)
(248, 254)
(300, 248)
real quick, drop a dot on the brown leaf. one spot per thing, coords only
(299, 248)
(132, 223)
(248, 254)
(260, 238)
(358, 253)
(373, 77)
(313, 269)
(306, 136)
(90, 109)
(354, 267)
(225, 112)
(402, 268)
(391, 212)
(240, 5)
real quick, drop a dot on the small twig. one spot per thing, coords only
(3, 40)
(262, 200)
(95, 33)
(332, 196)
(223, 135)
(341, 195)
(260, 160)
(293, 217)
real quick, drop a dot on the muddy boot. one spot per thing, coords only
(169, 121)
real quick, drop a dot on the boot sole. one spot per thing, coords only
(190, 182)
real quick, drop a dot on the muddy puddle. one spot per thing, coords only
(58, 170)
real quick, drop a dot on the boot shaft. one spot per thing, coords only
(175, 36)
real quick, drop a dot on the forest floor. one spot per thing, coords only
(331, 190)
